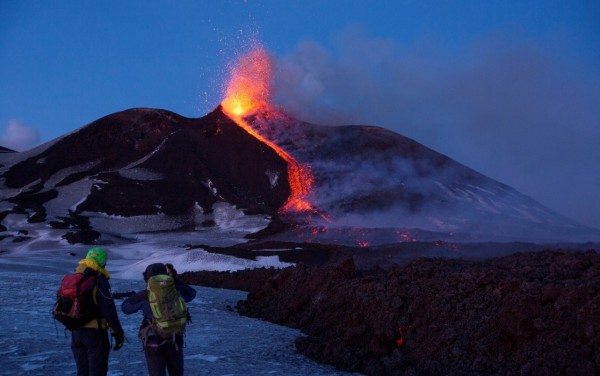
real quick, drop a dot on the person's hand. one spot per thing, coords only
(137, 298)
(171, 270)
(119, 340)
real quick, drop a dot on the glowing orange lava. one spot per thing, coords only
(248, 90)
(249, 85)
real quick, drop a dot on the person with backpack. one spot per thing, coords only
(95, 313)
(164, 318)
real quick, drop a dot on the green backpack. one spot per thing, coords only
(168, 307)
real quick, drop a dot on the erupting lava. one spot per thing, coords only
(248, 90)
(249, 86)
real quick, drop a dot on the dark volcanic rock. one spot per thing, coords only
(188, 153)
(144, 162)
(240, 280)
(530, 313)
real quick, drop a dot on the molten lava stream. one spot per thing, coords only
(249, 89)
(300, 178)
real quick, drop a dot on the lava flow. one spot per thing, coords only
(249, 90)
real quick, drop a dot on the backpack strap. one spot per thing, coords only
(88, 273)
(147, 332)
(151, 330)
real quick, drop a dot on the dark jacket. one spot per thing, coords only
(106, 303)
(139, 301)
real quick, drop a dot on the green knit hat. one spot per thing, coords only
(97, 254)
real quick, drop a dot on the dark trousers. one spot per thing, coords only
(166, 357)
(90, 348)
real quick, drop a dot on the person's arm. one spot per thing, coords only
(187, 293)
(109, 311)
(134, 303)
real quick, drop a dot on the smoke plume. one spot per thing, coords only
(511, 111)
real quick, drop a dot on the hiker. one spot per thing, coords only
(162, 352)
(90, 342)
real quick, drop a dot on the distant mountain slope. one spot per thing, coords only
(370, 177)
(154, 170)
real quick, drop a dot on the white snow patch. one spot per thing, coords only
(195, 260)
(448, 191)
(69, 196)
(273, 177)
(17, 221)
(228, 220)
(31, 366)
(63, 173)
(272, 261)
(481, 189)
(11, 192)
(145, 158)
(208, 358)
(142, 174)
(209, 184)
(484, 205)
(228, 217)
(527, 215)
(199, 215)
(81, 201)
(131, 225)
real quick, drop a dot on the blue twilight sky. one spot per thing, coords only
(509, 88)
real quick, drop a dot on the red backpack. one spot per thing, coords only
(75, 304)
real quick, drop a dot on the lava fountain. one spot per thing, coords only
(248, 91)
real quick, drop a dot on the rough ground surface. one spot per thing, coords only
(530, 313)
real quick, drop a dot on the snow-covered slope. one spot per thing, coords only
(218, 342)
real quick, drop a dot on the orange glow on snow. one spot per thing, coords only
(248, 90)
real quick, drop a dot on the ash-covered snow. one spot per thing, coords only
(273, 177)
(209, 184)
(140, 174)
(56, 178)
(228, 217)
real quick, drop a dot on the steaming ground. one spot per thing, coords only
(219, 341)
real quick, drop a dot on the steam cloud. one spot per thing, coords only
(19, 137)
(512, 112)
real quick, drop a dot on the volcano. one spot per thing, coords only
(149, 170)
